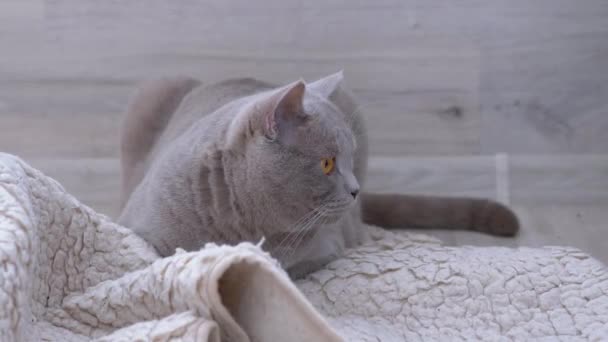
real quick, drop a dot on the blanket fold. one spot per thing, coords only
(71, 274)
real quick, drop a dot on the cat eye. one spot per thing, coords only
(327, 165)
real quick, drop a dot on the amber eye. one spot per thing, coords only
(327, 165)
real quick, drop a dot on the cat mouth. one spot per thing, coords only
(333, 218)
(339, 206)
(333, 212)
(326, 213)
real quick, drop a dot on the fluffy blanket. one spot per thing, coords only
(70, 274)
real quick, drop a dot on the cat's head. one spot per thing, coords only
(300, 150)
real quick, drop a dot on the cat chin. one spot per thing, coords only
(335, 217)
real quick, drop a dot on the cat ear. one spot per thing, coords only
(327, 85)
(284, 111)
(275, 114)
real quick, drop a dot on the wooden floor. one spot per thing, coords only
(506, 99)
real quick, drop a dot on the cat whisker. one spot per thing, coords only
(306, 226)
(323, 220)
(297, 227)
(299, 236)
(288, 241)
(336, 210)
(298, 230)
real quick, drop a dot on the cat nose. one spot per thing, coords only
(351, 185)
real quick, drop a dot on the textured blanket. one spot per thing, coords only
(70, 274)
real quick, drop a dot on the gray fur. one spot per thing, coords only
(241, 160)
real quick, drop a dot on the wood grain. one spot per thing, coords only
(435, 77)
(440, 83)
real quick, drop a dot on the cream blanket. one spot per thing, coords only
(70, 274)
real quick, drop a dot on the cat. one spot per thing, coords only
(244, 159)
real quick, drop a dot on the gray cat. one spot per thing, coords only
(244, 159)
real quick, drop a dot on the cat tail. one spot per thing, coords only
(146, 118)
(454, 213)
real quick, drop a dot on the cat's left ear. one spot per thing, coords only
(285, 112)
(276, 114)
(327, 85)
